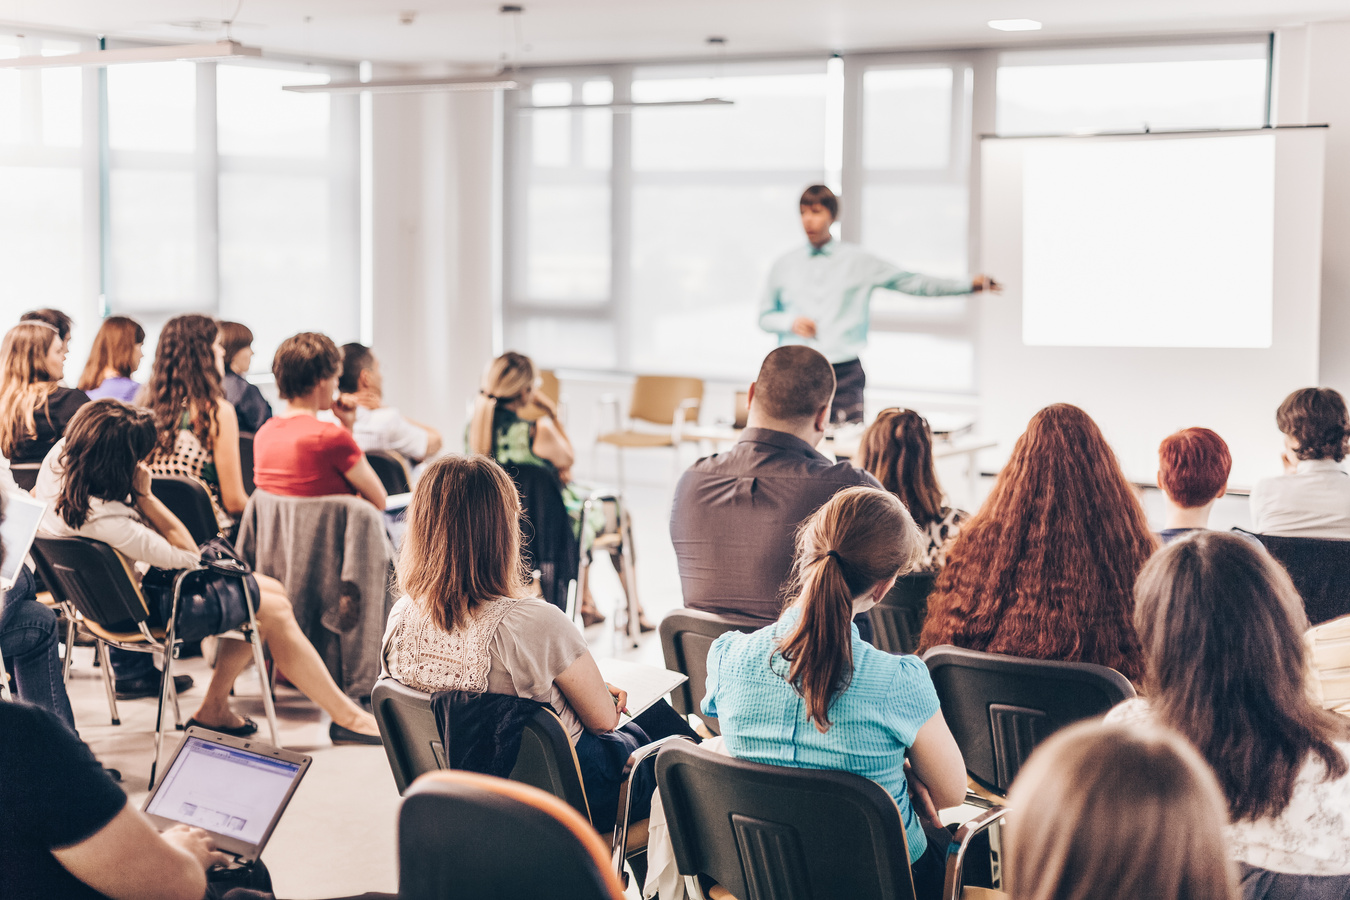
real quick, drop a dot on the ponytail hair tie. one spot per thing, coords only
(835, 553)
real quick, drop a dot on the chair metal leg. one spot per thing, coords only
(629, 575)
(166, 685)
(4, 682)
(70, 645)
(264, 683)
(106, 665)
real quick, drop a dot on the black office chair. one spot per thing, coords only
(686, 635)
(778, 833)
(462, 834)
(392, 470)
(25, 474)
(549, 545)
(999, 708)
(246, 460)
(91, 578)
(1320, 570)
(188, 499)
(547, 761)
(898, 618)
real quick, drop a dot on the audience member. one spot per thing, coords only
(516, 424)
(380, 427)
(295, 454)
(98, 487)
(58, 320)
(465, 623)
(897, 449)
(1046, 568)
(1312, 497)
(736, 513)
(1222, 627)
(68, 832)
(34, 407)
(198, 431)
(808, 691)
(1068, 836)
(248, 401)
(1193, 467)
(116, 354)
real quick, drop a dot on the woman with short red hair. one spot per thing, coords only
(1046, 568)
(1193, 467)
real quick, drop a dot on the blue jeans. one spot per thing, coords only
(28, 639)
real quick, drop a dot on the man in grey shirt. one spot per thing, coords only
(735, 516)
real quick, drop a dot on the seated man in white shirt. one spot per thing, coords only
(1312, 498)
(380, 427)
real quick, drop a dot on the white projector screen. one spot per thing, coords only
(1157, 281)
(1118, 237)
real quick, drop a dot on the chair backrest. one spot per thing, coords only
(246, 460)
(462, 834)
(686, 635)
(549, 386)
(898, 618)
(188, 499)
(778, 833)
(999, 708)
(25, 474)
(656, 398)
(90, 576)
(391, 469)
(1319, 568)
(742, 415)
(413, 743)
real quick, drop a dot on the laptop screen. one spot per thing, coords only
(20, 523)
(225, 790)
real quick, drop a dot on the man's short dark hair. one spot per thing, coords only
(1317, 419)
(795, 382)
(304, 360)
(356, 358)
(53, 317)
(820, 195)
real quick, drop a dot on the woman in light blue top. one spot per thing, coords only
(808, 692)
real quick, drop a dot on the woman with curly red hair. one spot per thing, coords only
(1046, 568)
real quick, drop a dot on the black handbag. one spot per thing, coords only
(212, 601)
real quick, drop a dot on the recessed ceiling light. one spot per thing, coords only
(1015, 24)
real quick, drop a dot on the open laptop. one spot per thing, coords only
(20, 526)
(234, 788)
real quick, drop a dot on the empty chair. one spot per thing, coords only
(467, 835)
(999, 708)
(898, 618)
(188, 499)
(686, 635)
(664, 403)
(392, 470)
(1319, 568)
(777, 833)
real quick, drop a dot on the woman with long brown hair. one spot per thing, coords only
(467, 623)
(34, 407)
(198, 430)
(808, 691)
(116, 354)
(1046, 568)
(1068, 836)
(1226, 667)
(897, 448)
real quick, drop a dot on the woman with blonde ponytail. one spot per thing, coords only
(807, 691)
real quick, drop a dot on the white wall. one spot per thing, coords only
(1312, 86)
(436, 235)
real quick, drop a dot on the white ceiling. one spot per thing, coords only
(472, 31)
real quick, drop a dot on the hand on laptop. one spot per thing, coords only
(196, 843)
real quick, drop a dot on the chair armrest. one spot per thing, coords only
(956, 853)
(681, 418)
(226, 566)
(635, 759)
(610, 401)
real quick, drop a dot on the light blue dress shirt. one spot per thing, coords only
(832, 285)
(872, 722)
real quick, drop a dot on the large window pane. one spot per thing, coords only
(1049, 92)
(255, 117)
(919, 362)
(907, 118)
(568, 248)
(920, 226)
(152, 106)
(40, 239)
(558, 342)
(153, 241)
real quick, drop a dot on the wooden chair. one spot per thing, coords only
(664, 404)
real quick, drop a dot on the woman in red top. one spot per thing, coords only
(295, 454)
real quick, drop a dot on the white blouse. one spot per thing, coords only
(1313, 501)
(1310, 837)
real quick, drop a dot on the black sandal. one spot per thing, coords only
(249, 727)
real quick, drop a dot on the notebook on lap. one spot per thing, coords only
(234, 788)
(20, 526)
